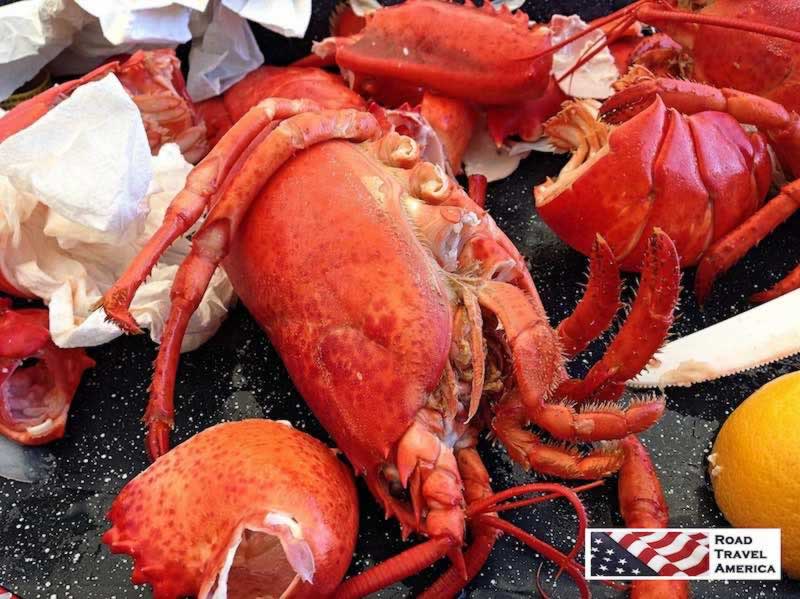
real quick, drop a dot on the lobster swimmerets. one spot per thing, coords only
(702, 178)
(389, 292)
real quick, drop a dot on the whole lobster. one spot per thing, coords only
(154, 81)
(702, 178)
(405, 318)
(37, 379)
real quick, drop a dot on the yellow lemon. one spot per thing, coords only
(755, 465)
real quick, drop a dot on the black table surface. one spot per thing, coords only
(50, 529)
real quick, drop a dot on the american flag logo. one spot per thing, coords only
(626, 554)
(4, 594)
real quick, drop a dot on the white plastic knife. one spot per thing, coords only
(762, 335)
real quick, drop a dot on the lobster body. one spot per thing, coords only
(405, 317)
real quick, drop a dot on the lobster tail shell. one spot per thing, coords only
(251, 507)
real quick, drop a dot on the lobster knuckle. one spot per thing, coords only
(562, 422)
(429, 183)
(398, 150)
(418, 446)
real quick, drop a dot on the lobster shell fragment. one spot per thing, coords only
(241, 510)
(37, 379)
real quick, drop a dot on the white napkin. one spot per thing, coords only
(79, 196)
(32, 33)
(592, 80)
(223, 56)
(79, 34)
(162, 22)
(287, 17)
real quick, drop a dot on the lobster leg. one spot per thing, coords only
(526, 334)
(600, 303)
(477, 189)
(642, 334)
(728, 250)
(642, 504)
(789, 283)
(482, 504)
(210, 244)
(528, 450)
(202, 185)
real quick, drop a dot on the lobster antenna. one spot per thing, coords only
(593, 26)
(599, 45)
(546, 550)
(495, 506)
(404, 564)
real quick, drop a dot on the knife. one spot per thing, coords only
(764, 334)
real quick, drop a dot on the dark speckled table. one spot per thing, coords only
(50, 528)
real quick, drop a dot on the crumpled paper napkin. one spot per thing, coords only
(79, 196)
(592, 80)
(223, 55)
(32, 33)
(80, 34)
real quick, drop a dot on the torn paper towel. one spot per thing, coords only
(483, 157)
(287, 17)
(161, 22)
(592, 80)
(223, 56)
(32, 33)
(77, 35)
(71, 222)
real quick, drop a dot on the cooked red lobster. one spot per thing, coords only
(240, 510)
(672, 154)
(405, 318)
(37, 379)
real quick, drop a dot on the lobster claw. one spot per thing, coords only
(246, 509)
